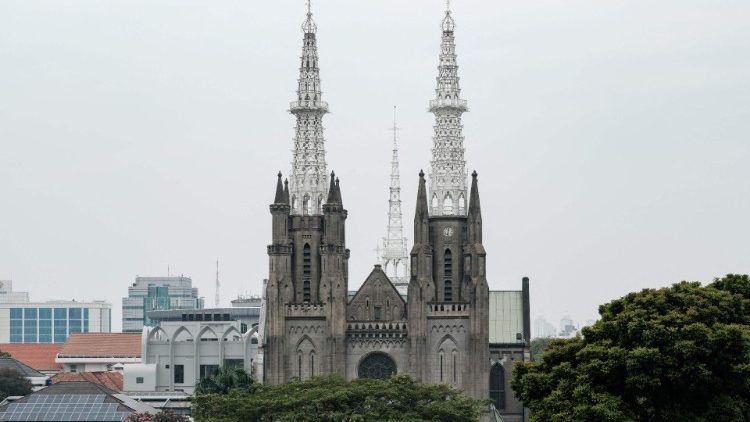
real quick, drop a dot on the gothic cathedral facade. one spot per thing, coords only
(438, 332)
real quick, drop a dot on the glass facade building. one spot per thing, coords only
(154, 294)
(23, 321)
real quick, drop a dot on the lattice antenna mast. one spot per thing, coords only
(308, 184)
(395, 255)
(217, 299)
(447, 190)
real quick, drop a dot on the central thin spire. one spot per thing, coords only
(308, 183)
(395, 257)
(448, 168)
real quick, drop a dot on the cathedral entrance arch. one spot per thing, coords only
(376, 365)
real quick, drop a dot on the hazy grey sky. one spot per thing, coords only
(611, 138)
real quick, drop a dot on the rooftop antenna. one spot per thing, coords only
(394, 128)
(217, 299)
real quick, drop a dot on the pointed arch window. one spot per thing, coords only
(448, 276)
(306, 205)
(312, 364)
(435, 201)
(294, 202)
(461, 204)
(448, 205)
(497, 386)
(306, 269)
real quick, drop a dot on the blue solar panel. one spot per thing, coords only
(64, 407)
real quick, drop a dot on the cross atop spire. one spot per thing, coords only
(308, 26)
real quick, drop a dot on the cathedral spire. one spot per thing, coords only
(309, 179)
(475, 212)
(421, 215)
(448, 168)
(279, 197)
(395, 258)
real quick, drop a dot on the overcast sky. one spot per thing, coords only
(611, 138)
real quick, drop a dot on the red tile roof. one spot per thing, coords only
(120, 345)
(110, 380)
(38, 356)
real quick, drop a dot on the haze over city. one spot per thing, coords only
(610, 138)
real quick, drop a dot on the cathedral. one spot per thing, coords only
(425, 312)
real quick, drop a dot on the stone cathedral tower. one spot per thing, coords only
(306, 293)
(438, 333)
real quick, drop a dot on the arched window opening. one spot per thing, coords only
(294, 203)
(306, 269)
(306, 205)
(497, 386)
(441, 367)
(461, 204)
(299, 365)
(448, 276)
(448, 205)
(312, 364)
(434, 201)
(455, 375)
(377, 365)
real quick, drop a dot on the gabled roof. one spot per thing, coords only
(38, 356)
(110, 380)
(118, 345)
(20, 367)
(377, 273)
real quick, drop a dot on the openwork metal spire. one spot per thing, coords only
(308, 184)
(448, 168)
(395, 256)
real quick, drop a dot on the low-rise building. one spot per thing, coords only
(99, 352)
(38, 356)
(186, 346)
(37, 379)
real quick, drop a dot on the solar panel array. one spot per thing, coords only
(64, 407)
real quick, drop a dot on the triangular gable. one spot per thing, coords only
(377, 274)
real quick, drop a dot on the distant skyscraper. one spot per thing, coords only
(157, 293)
(543, 328)
(23, 321)
(567, 327)
(395, 258)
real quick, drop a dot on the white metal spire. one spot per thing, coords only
(447, 189)
(217, 299)
(395, 256)
(308, 184)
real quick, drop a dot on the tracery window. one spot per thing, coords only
(448, 276)
(306, 266)
(377, 365)
(497, 386)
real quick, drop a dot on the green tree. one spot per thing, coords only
(680, 353)
(13, 384)
(538, 345)
(331, 398)
(223, 380)
(5, 354)
(163, 416)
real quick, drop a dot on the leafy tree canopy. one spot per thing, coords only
(13, 384)
(538, 345)
(680, 353)
(331, 398)
(163, 416)
(224, 380)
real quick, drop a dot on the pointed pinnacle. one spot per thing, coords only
(338, 192)
(332, 189)
(279, 198)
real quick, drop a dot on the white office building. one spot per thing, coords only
(156, 293)
(24, 321)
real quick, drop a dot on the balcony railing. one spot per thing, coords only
(308, 105)
(448, 103)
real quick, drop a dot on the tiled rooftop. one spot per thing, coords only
(110, 380)
(38, 356)
(122, 345)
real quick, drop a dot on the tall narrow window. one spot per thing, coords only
(299, 365)
(497, 386)
(448, 276)
(454, 367)
(312, 364)
(441, 367)
(306, 265)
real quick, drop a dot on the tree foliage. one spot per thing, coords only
(331, 398)
(163, 416)
(680, 353)
(538, 345)
(13, 383)
(223, 380)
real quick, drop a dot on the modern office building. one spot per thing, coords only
(156, 293)
(24, 321)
